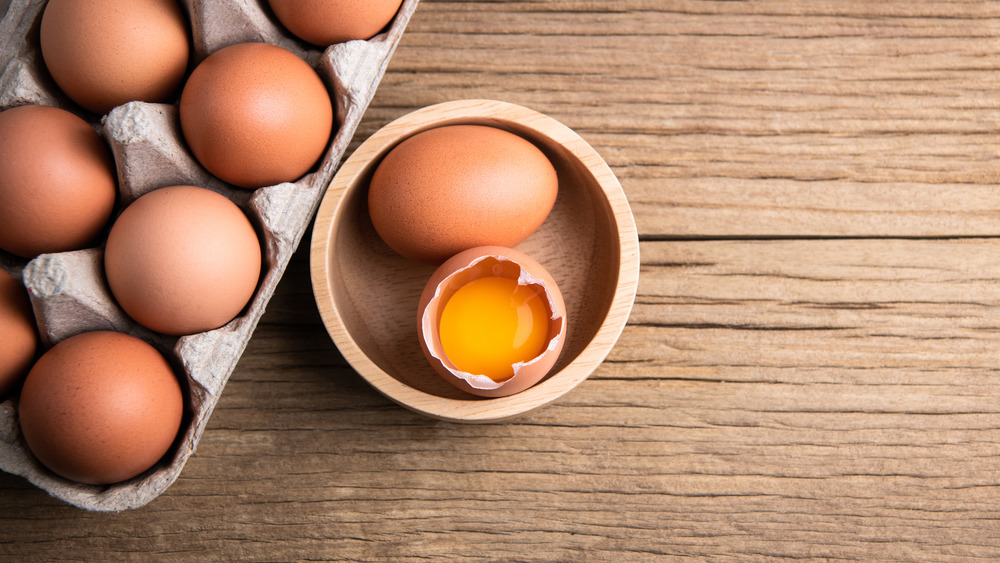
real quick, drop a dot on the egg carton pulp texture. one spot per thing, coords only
(68, 291)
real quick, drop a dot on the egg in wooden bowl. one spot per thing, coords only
(368, 294)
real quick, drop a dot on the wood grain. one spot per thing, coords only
(755, 118)
(810, 368)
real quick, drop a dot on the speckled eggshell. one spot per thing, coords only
(100, 407)
(57, 181)
(325, 22)
(448, 189)
(104, 54)
(182, 259)
(18, 334)
(256, 115)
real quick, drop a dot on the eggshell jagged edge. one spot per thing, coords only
(471, 264)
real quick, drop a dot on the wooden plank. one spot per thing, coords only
(811, 118)
(806, 399)
(871, 312)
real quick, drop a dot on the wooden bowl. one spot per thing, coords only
(367, 294)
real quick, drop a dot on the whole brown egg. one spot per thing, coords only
(17, 333)
(100, 407)
(325, 22)
(57, 181)
(256, 115)
(448, 189)
(182, 259)
(104, 54)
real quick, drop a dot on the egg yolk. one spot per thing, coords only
(491, 323)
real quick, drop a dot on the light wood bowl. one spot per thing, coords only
(367, 294)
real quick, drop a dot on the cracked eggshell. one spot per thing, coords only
(473, 264)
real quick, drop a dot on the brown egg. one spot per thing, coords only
(256, 115)
(448, 189)
(491, 321)
(17, 332)
(100, 407)
(325, 22)
(57, 181)
(182, 260)
(104, 54)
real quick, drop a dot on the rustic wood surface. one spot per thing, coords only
(808, 372)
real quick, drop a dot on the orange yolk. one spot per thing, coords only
(491, 323)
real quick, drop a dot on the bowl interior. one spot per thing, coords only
(371, 293)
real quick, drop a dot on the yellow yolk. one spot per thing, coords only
(491, 323)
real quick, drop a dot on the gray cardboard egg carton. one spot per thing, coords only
(68, 290)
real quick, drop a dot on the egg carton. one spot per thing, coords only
(68, 290)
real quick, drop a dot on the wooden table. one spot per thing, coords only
(811, 367)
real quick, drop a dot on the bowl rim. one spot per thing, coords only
(476, 409)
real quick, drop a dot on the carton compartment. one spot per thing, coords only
(68, 290)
